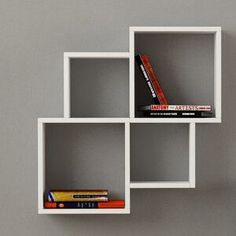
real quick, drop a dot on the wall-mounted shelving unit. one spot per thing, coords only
(188, 61)
(103, 143)
(84, 153)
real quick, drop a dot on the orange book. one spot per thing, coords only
(109, 204)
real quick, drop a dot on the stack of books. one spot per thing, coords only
(82, 198)
(160, 106)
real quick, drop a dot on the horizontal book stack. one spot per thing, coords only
(160, 107)
(81, 199)
(184, 111)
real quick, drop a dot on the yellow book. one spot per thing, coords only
(78, 195)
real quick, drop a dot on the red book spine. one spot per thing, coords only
(155, 107)
(112, 204)
(154, 80)
(109, 204)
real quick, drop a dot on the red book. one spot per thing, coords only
(109, 204)
(112, 204)
(155, 107)
(154, 80)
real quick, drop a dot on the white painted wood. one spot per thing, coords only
(85, 211)
(131, 75)
(160, 184)
(131, 120)
(175, 120)
(175, 184)
(83, 55)
(83, 120)
(127, 165)
(41, 164)
(175, 29)
(217, 62)
(192, 164)
(217, 73)
(67, 99)
(192, 121)
(113, 55)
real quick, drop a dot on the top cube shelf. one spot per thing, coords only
(96, 84)
(188, 63)
(108, 84)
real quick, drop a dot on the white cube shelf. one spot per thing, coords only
(116, 89)
(161, 43)
(60, 158)
(188, 183)
(178, 44)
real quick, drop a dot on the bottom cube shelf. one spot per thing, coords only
(94, 153)
(162, 155)
(84, 154)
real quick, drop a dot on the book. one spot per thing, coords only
(77, 195)
(148, 82)
(109, 204)
(155, 107)
(152, 76)
(183, 114)
(78, 199)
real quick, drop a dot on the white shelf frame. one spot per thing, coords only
(190, 183)
(216, 31)
(83, 55)
(41, 164)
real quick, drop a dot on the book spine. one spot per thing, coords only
(155, 107)
(88, 196)
(70, 196)
(183, 114)
(110, 204)
(154, 80)
(71, 204)
(147, 80)
(81, 191)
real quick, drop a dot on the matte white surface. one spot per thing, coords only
(160, 184)
(175, 29)
(84, 211)
(175, 120)
(216, 31)
(127, 121)
(67, 71)
(42, 155)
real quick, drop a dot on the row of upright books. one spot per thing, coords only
(82, 198)
(160, 107)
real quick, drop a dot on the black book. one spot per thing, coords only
(178, 114)
(71, 205)
(147, 80)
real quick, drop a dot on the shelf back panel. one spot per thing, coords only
(159, 152)
(86, 156)
(184, 64)
(99, 87)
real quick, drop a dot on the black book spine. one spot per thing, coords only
(178, 114)
(147, 80)
(89, 196)
(75, 205)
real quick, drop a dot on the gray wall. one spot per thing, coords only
(34, 35)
